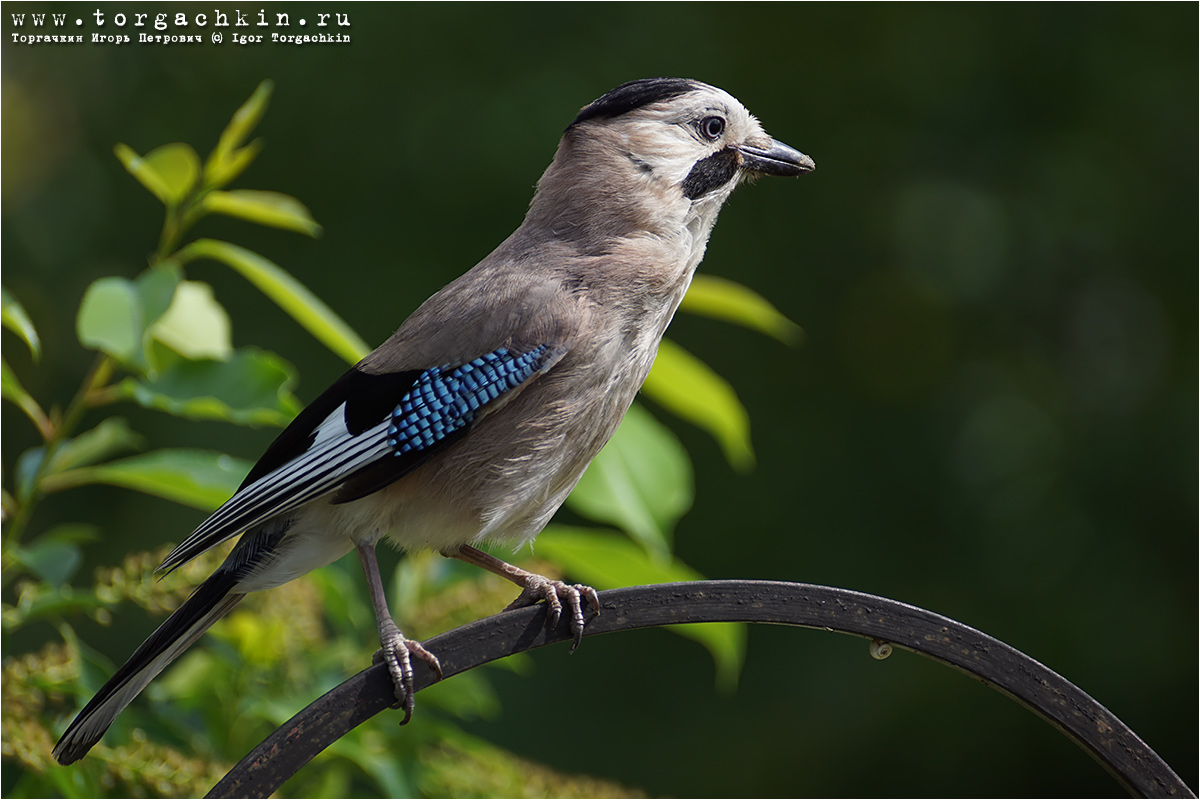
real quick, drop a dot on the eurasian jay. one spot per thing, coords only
(478, 416)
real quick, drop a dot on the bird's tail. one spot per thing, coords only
(212, 600)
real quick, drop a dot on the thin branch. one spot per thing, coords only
(101, 371)
(1138, 768)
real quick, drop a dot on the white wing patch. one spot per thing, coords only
(333, 456)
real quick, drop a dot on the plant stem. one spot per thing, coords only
(99, 374)
(176, 223)
(171, 231)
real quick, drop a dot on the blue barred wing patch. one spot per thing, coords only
(350, 461)
(444, 400)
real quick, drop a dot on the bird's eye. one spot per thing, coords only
(711, 128)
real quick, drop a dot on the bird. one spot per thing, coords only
(477, 417)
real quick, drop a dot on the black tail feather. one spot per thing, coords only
(211, 601)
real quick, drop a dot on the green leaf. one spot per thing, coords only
(55, 555)
(103, 441)
(109, 320)
(233, 165)
(12, 390)
(607, 560)
(116, 313)
(169, 172)
(686, 386)
(472, 698)
(156, 289)
(53, 562)
(291, 295)
(10, 386)
(28, 464)
(369, 755)
(72, 533)
(724, 299)
(195, 325)
(39, 600)
(266, 208)
(640, 482)
(198, 478)
(13, 317)
(227, 161)
(253, 387)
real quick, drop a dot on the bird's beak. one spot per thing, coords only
(776, 159)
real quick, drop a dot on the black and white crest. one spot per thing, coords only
(635, 94)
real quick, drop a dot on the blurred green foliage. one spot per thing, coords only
(993, 416)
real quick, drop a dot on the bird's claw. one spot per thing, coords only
(538, 588)
(397, 652)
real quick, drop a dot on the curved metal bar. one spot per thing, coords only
(1089, 724)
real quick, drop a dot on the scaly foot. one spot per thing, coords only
(397, 653)
(538, 588)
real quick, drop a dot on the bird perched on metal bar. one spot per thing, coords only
(478, 416)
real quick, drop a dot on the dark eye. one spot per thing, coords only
(711, 128)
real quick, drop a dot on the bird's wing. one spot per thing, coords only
(366, 431)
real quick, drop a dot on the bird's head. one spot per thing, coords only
(659, 152)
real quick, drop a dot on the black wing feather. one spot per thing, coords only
(369, 398)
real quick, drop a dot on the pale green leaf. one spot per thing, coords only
(607, 560)
(195, 325)
(727, 300)
(218, 175)
(291, 295)
(686, 386)
(13, 317)
(116, 313)
(135, 165)
(641, 482)
(266, 208)
(252, 387)
(110, 319)
(227, 161)
(11, 388)
(110, 437)
(156, 289)
(197, 478)
(169, 172)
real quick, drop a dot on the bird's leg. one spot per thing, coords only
(536, 587)
(397, 650)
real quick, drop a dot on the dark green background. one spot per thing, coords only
(993, 416)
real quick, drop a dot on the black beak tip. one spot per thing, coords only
(776, 159)
(805, 165)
